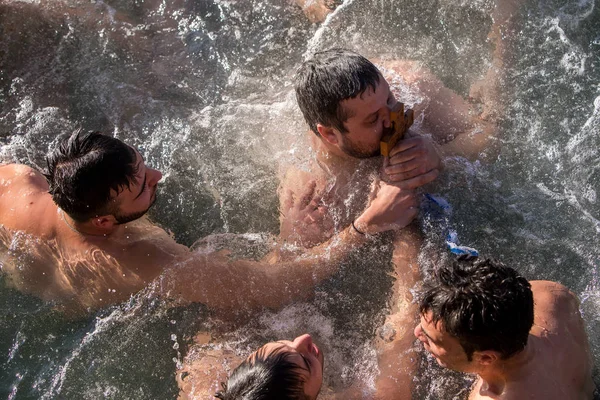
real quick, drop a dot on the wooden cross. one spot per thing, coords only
(401, 121)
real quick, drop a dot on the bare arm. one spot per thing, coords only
(455, 125)
(242, 284)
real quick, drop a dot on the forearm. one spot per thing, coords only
(295, 279)
(477, 143)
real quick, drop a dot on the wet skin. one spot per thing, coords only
(555, 364)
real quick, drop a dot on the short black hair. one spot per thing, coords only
(83, 171)
(483, 303)
(265, 377)
(328, 78)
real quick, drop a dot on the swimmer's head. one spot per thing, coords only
(345, 101)
(328, 78)
(91, 175)
(474, 312)
(283, 370)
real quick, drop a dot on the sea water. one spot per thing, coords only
(204, 90)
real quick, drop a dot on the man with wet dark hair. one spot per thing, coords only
(79, 239)
(328, 78)
(265, 378)
(87, 173)
(523, 339)
(485, 305)
(285, 369)
(277, 371)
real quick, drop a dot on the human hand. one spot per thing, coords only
(391, 207)
(412, 163)
(305, 219)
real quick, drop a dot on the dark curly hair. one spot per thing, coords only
(85, 170)
(484, 304)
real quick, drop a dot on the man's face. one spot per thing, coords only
(137, 200)
(306, 355)
(445, 348)
(368, 114)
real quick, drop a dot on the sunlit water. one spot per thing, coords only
(203, 89)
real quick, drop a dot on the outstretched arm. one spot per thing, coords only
(231, 285)
(238, 285)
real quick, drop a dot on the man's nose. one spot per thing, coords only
(303, 342)
(154, 176)
(393, 106)
(419, 333)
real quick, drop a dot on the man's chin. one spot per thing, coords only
(124, 219)
(362, 155)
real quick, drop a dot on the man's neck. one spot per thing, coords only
(496, 378)
(85, 229)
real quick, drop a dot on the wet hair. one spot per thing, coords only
(482, 303)
(270, 376)
(328, 78)
(83, 171)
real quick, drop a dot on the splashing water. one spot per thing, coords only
(204, 90)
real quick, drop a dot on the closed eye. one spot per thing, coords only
(306, 362)
(373, 119)
(391, 100)
(143, 188)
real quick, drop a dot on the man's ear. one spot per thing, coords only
(486, 358)
(327, 133)
(104, 221)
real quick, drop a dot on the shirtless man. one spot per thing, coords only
(78, 239)
(346, 101)
(524, 340)
(282, 370)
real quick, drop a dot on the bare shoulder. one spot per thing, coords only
(21, 175)
(149, 244)
(556, 308)
(554, 295)
(296, 177)
(411, 71)
(296, 180)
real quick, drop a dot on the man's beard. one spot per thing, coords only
(355, 151)
(125, 218)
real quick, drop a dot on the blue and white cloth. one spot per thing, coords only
(438, 208)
